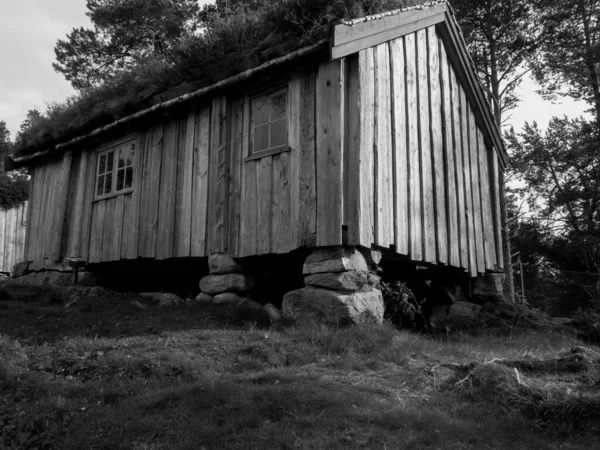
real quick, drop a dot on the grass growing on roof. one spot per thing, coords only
(226, 46)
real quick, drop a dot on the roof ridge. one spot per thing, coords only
(394, 12)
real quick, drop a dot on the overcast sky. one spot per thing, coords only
(29, 30)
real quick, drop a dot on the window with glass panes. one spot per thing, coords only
(114, 173)
(269, 123)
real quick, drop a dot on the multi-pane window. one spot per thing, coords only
(114, 172)
(269, 122)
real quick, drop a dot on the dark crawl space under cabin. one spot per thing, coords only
(372, 146)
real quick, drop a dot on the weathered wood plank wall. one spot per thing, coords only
(383, 143)
(444, 185)
(12, 236)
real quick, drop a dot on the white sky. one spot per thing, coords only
(29, 30)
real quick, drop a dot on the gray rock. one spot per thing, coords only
(334, 307)
(234, 282)
(56, 278)
(203, 298)
(489, 285)
(334, 259)
(372, 256)
(272, 312)
(220, 263)
(164, 299)
(351, 281)
(228, 299)
(20, 269)
(456, 316)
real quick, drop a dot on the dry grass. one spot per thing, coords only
(104, 376)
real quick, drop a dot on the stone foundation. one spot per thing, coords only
(227, 285)
(339, 289)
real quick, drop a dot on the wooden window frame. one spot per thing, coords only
(267, 93)
(112, 147)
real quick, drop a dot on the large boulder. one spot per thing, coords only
(57, 278)
(456, 316)
(351, 281)
(228, 299)
(334, 259)
(20, 269)
(334, 307)
(220, 263)
(233, 282)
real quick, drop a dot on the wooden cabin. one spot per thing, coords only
(378, 136)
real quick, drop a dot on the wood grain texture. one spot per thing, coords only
(132, 206)
(461, 206)
(86, 219)
(76, 214)
(437, 141)
(3, 229)
(109, 231)
(475, 191)
(307, 157)
(185, 173)
(453, 241)
(382, 149)
(249, 225)
(235, 185)
(495, 179)
(97, 227)
(295, 238)
(400, 145)
(45, 213)
(167, 192)
(428, 199)
(61, 187)
(35, 201)
(21, 233)
(179, 199)
(151, 186)
(330, 146)
(469, 208)
(30, 197)
(264, 177)
(414, 166)
(10, 235)
(281, 204)
(200, 181)
(486, 205)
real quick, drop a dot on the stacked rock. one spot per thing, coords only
(339, 289)
(227, 284)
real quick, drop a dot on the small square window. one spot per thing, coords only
(114, 172)
(269, 123)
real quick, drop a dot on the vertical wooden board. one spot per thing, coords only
(294, 239)
(185, 221)
(75, 222)
(179, 234)
(486, 204)
(47, 210)
(218, 179)
(437, 141)
(475, 192)
(200, 181)
(96, 232)
(382, 149)
(448, 121)
(330, 144)
(36, 189)
(61, 192)
(86, 219)
(9, 239)
(414, 166)
(250, 224)
(461, 206)
(495, 177)
(281, 204)
(21, 230)
(117, 226)
(152, 179)
(399, 145)
(127, 223)
(31, 196)
(235, 184)
(307, 157)
(465, 125)
(108, 231)
(3, 213)
(131, 214)
(166, 214)
(264, 177)
(427, 194)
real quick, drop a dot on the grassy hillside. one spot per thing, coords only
(106, 370)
